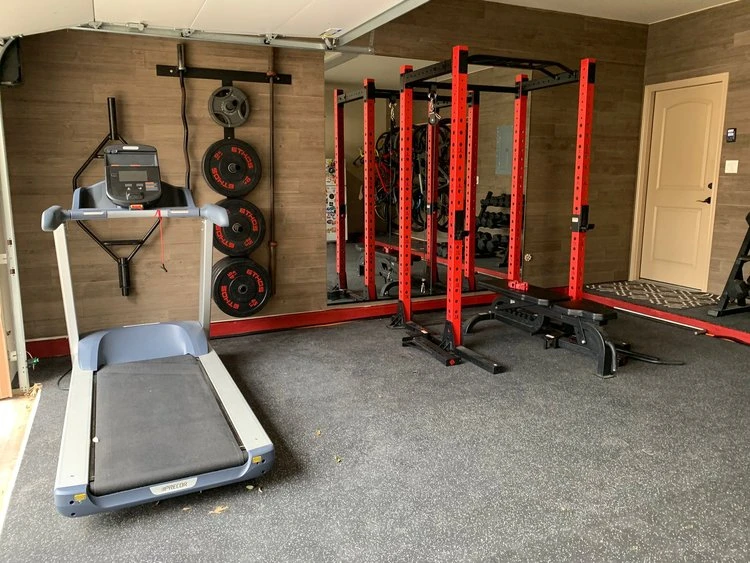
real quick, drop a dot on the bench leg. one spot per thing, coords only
(592, 340)
(477, 319)
(386, 291)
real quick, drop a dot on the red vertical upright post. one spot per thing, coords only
(457, 195)
(340, 176)
(517, 185)
(470, 242)
(579, 223)
(406, 100)
(432, 183)
(369, 188)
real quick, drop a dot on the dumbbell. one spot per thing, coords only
(500, 220)
(486, 201)
(495, 201)
(482, 239)
(502, 255)
(496, 220)
(504, 200)
(492, 244)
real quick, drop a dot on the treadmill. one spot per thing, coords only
(152, 412)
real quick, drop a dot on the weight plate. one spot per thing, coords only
(246, 229)
(229, 106)
(231, 167)
(241, 287)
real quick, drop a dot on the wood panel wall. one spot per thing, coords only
(430, 31)
(709, 42)
(59, 115)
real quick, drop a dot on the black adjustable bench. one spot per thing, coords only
(564, 323)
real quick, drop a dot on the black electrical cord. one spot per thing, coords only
(186, 131)
(59, 380)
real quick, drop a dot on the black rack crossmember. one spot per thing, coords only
(556, 74)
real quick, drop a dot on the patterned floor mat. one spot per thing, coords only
(657, 294)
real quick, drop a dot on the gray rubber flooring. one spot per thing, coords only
(384, 455)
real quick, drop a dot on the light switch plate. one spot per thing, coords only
(731, 166)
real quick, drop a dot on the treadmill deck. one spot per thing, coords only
(157, 421)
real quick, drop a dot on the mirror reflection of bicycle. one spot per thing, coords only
(386, 176)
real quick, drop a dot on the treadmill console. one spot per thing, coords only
(132, 175)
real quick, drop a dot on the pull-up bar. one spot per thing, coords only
(556, 74)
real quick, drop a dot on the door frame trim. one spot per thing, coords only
(647, 121)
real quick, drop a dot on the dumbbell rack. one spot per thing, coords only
(483, 213)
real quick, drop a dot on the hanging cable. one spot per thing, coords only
(186, 132)
(60, 378)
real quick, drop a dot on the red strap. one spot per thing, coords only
(161, 239)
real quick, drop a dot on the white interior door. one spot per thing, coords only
(682, 168)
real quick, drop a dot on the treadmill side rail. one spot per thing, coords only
(240, 415)
(73, 464)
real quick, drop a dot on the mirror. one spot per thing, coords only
(493, 173)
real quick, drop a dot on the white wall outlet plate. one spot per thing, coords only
(731, 166)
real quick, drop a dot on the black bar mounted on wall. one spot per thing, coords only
(111, 137)
(222, 75)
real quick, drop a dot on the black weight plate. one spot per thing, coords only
(241, 287)
(246, 229)
(231, 167)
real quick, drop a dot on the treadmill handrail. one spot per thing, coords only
(55, 216)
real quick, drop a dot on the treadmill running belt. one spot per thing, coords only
(157, 421)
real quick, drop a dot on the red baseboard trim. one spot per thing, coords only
(711, 329)
(48, 347)
(57, 347)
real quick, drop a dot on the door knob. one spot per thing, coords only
(710, 185)
(707, 200)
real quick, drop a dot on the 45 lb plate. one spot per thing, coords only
(246, 229)
(231, 167)
(241, 287)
